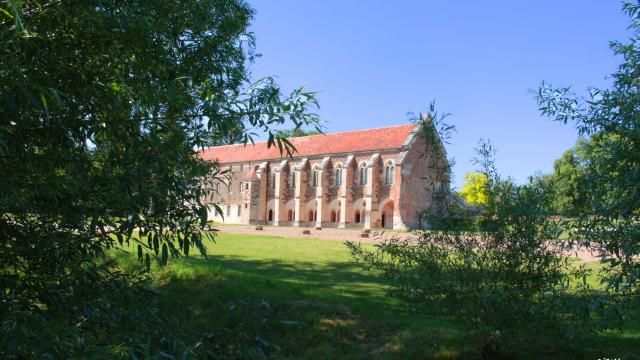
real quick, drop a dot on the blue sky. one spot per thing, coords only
(374, 61)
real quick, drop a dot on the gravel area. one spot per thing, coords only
(354, 235)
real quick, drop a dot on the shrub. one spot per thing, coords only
(502, 272)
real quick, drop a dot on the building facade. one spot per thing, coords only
(375, 178)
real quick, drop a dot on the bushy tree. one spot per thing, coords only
(103, 106)
(298, 132)
(474, 191)
(567, 180)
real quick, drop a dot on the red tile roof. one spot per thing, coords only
(392, 137)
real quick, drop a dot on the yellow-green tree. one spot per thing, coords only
(475, 190)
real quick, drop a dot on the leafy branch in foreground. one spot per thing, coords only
(103, 107)
(609, 197)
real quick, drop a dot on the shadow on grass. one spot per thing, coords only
(304, 309)
(298, 309)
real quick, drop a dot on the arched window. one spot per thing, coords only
(357, 217)
(316, 173)
(363, 174)
(338, 175)
(270, 216)
(389, 173)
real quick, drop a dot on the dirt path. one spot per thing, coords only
(325, 234)
(376, 236)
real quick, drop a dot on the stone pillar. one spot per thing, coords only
(279, 215)
(346, 198)
(258, 211)
(299, 198)
(370, 192)
(323, 183)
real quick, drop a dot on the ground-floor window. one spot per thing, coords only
(270, 215)
(357, 217)
(313, 215)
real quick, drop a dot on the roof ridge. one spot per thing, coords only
(298, 137)
(353, 141)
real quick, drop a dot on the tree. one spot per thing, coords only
(474, 190)
(611, 117)
(568, 179)
(298, 132)
(103, 105)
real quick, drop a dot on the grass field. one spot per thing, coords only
(305, 298)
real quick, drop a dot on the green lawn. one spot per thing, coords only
(305, 298)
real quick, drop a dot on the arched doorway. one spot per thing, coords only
(386, 219)
(270, 215)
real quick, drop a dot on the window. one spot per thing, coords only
(338, 175)
(273, 180)
(310, 215)
(333, 216)
(357, 217)
(293, 179)
(316, 173)
(389, 173)
(363, 174)
(270, 216)
(246, 186)
(290, 215)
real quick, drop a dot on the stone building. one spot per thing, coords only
(375, 178)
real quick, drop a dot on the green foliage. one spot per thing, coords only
(435, 132)
(568, 180)
(474, 190)
(298, 132)
(611, 117)
(103, 106)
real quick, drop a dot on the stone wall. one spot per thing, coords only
(282, 192)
